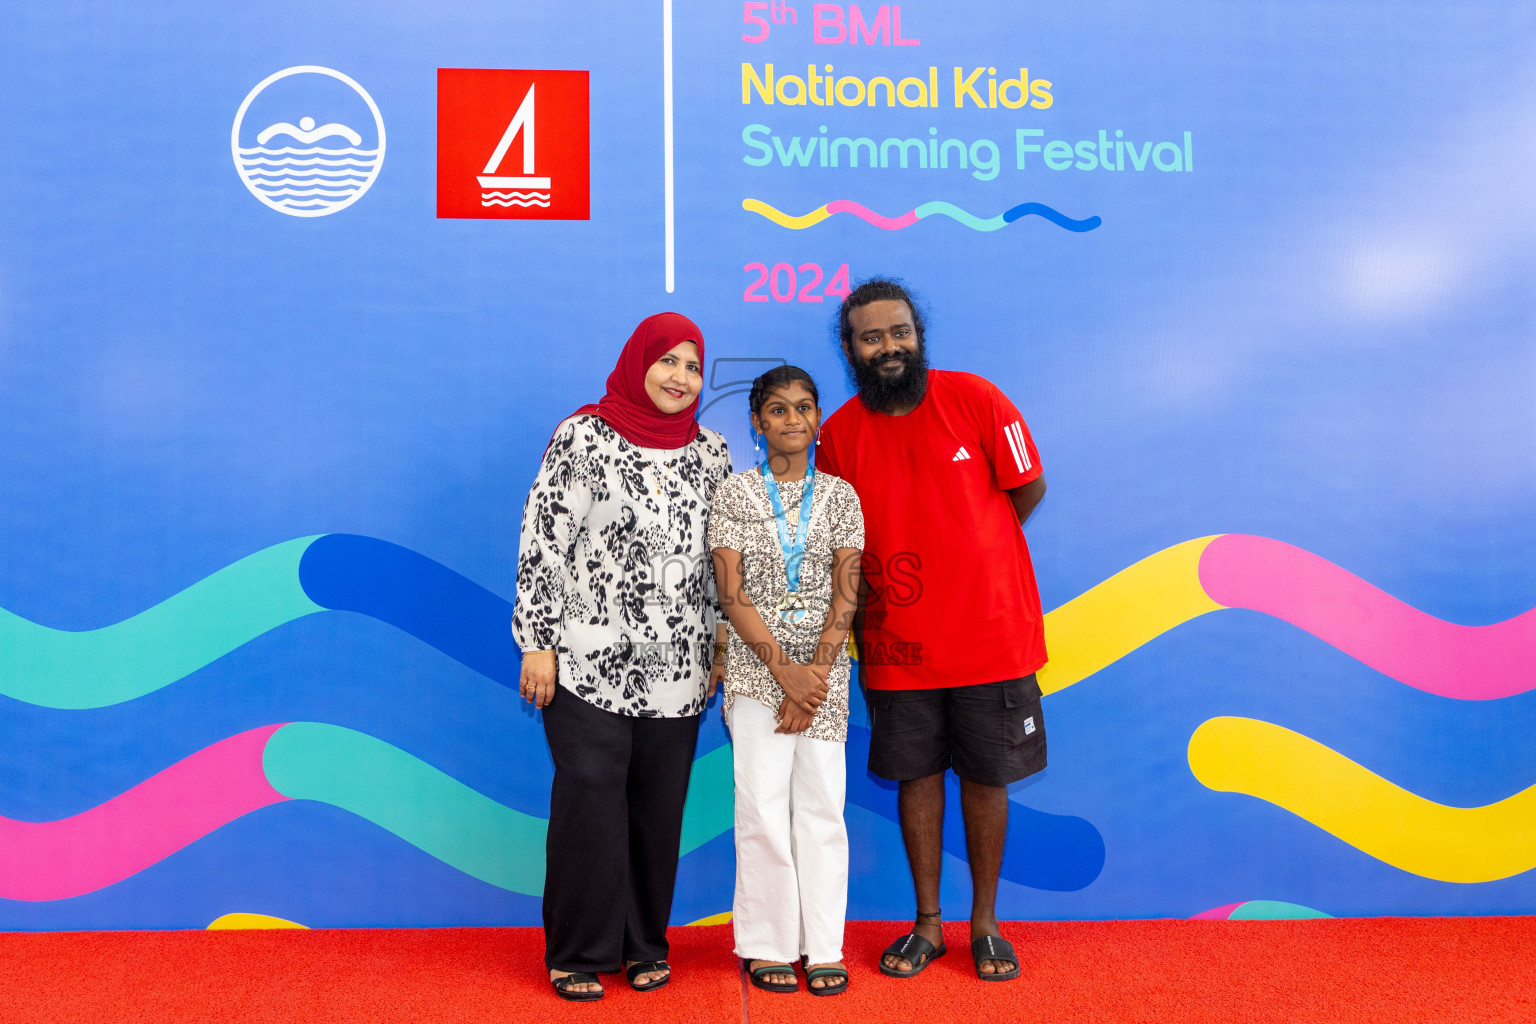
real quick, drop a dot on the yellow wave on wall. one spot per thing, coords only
(1134, 606)
(240, 922)
(785, 220)
(1301, 775)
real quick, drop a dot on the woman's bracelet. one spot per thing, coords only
(720, 648)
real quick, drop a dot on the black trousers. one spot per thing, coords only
(615, 819)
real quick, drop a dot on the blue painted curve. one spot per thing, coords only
(1053, 852)
(413, 593)
(1056, 217)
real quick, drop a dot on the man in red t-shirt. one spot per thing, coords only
(950, 632)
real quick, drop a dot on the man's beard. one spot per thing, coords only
(886, 394)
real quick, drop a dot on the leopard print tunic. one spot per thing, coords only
(742, 519)
(617, 580)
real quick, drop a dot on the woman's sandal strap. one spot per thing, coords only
(646, 967)
(564, 983)
(638, 968)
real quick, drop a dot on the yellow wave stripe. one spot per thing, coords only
(1134, 606)
(782, 219)
(1300, 775)
(724, 918)
(238, 922)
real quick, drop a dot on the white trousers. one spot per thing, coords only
(791, 843)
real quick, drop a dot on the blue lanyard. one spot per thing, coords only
(794, 548)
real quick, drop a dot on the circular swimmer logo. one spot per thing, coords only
(304, 142)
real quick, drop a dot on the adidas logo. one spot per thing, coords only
(961, 455)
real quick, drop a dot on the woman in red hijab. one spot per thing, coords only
(621, 634)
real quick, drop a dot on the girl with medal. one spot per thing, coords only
(786, 542)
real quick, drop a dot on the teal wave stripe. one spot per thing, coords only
(56, 668)
(429, 809)
(711, 805)
(954, 212)
(1274, 910)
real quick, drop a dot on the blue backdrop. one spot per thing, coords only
(1308, 317)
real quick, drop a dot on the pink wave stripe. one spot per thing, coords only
(1370, 625)
(51, 860)
(1217, 913)
(906, 220)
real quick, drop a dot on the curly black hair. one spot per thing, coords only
(877, 289)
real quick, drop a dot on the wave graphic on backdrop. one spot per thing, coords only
(312, 178)
(514, 199)
(1209, 574)
(413, 593)
(95, 668)
(54, 860)
(1260, 910)
(422, 805)
(1130, 609)
(334, 572)
(342, 572)
(1053, 852)
(243, 921)
(374, 780)
(308, 169)
(1346, 800)
(228, 780)
(905, 220)
(1344, 611)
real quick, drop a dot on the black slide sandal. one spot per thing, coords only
(634, 970)
(582, 978)
(994, 947)
(812, 973)
(911, 946)
(760, 975)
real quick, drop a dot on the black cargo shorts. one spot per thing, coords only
(991, 733)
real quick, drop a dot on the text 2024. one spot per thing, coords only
(786, 282)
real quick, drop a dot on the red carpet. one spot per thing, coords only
(1440, 970)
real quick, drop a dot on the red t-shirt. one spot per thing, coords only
(953, 600)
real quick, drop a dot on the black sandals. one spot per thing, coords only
(563, 984)
(993, 947)
(918, 951)
(634, 970)
(830, 974)
(760, 980)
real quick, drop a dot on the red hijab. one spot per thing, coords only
(627, 408)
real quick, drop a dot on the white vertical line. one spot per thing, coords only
(1014, 446)
(1018, 432)
(666, 99)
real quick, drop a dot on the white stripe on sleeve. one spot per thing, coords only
(1018, 432)
(1017, 459)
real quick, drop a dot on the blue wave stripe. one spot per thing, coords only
(413, 593)
(1053, 852)
(1061, 220)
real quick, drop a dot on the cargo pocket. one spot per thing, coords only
(1025, 725)
(876, 701)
